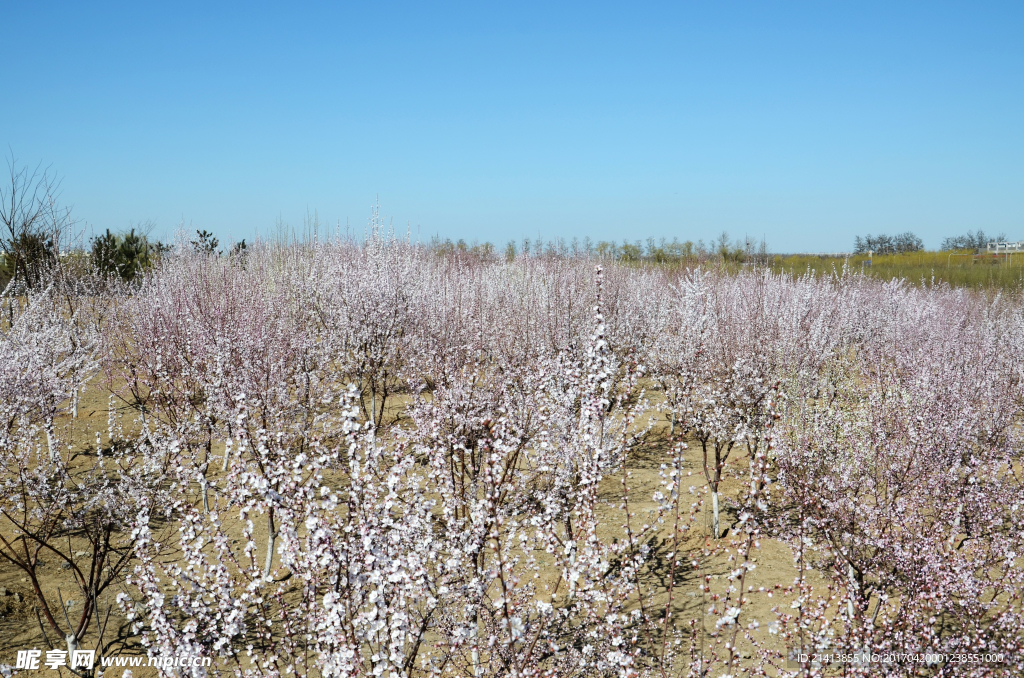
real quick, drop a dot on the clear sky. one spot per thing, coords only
(805, 123)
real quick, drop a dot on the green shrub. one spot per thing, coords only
(124, 255)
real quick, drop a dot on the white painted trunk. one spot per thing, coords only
(853, 587)
(477, 669)
(714, 508)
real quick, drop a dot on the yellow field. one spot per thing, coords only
(958, 269)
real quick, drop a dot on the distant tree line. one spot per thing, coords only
(971, 241)
(124, 255)
(28, 258)
(723, 248)
(38, 238)
(888, 244)
(31, 224)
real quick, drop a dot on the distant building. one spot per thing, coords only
(1004, 247)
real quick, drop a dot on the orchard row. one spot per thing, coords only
(350, 458)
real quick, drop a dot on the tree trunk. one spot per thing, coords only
(206, 465)
(271, 537)
(475, 652)
(853, 587)
(956, 523)
(227, 448)
(714, 508)
(206, 498)
(50, 444)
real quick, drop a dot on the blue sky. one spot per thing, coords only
(804, 123)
